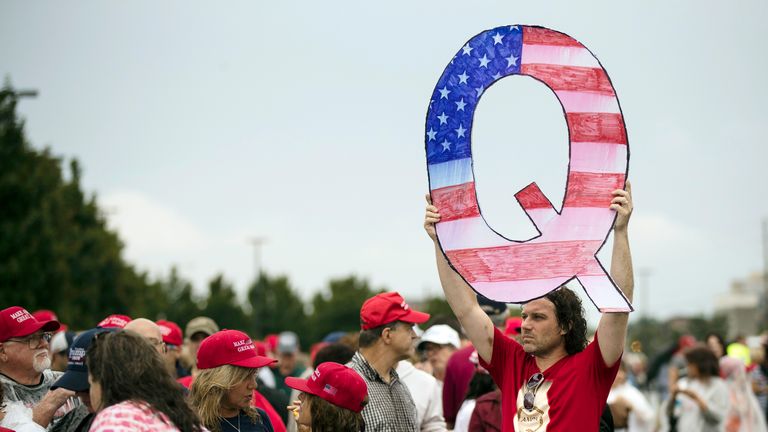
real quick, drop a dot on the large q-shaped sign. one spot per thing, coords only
(518, 271)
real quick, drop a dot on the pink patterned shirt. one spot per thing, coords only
(131, 416)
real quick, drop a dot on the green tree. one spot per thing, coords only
(652, 334)
(182, 303)
(338, 307)
(275, 307)
(55, 249)
(437, 307)
(222, 305)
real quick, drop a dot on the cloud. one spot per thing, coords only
(150, 228)
(654, 231)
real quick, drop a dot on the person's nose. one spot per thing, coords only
(526, 324)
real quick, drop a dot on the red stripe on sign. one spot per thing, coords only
(570, 78)
(527, 261)
(597, 127)
(531, 197)
(591, 189)
(542, 36)
(456, 202)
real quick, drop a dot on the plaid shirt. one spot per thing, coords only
(390, 406)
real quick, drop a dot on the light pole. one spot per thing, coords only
(29, 93)
(257, 243)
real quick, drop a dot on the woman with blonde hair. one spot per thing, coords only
(331, 399)
(223, 389)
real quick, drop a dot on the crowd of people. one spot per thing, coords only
(481, 370)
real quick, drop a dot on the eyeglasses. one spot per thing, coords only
(34, 341)
(530, 390)
(158, 343)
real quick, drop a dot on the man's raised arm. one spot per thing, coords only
(612, 330)
(459, 295)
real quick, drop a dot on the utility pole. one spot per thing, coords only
(28, 93)
(257, 243)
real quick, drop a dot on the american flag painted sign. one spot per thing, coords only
(518, 271)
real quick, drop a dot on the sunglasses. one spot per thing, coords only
(34, 341)
(530, 389)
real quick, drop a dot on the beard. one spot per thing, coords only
(41, 361)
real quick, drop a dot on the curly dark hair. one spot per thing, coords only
(704, 359)
(570, 318)
(129, 368)
(327, 417)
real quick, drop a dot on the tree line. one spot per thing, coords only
(57, 252)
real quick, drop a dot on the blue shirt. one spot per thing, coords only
(231, 424)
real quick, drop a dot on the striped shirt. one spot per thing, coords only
(390, 406)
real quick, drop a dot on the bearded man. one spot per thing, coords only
(25, 364)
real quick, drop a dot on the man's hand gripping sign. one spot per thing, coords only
(519, 271)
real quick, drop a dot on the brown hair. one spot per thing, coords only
(210, 388)
(370, 336)
(704, 359)
(128, 368)
(570, 317)
(327, 417)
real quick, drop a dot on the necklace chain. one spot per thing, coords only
(233, 426)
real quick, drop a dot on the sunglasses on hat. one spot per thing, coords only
(530, 390)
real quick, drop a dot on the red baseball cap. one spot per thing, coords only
(48, 315)
(388, 307)
(513, 326)
(15, 321)
(114, 321)
(171, 332)
(229, 347)
(271, 341)
(336, 383)
(262, 349)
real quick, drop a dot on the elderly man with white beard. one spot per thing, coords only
(25, 365)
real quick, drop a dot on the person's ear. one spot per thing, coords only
(386, 334)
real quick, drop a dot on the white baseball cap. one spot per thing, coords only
(441, 334)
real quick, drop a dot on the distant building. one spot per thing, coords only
(743, 305)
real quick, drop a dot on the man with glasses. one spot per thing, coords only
(25, 365)
(552, 380)
(149, 331)
(386, 337)
(173, 340)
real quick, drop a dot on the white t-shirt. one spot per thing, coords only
(464, 415)
(642, 416)
(19, 418)
(427, 394)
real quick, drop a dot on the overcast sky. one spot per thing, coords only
(202, 125)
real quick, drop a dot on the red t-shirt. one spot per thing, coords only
(571, 398)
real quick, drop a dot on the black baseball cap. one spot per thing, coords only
(75, 378)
